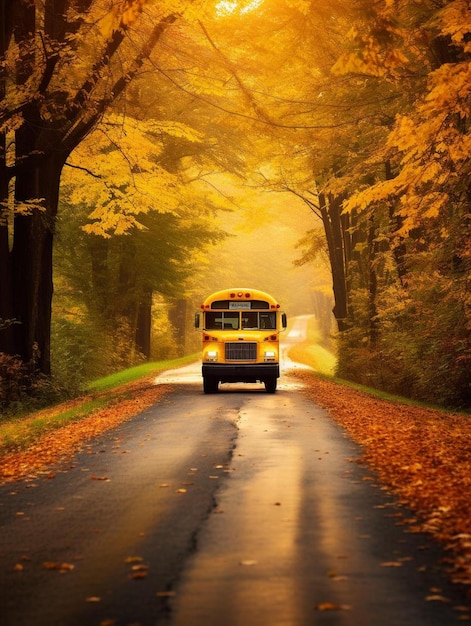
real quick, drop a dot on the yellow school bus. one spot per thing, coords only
(241, 343)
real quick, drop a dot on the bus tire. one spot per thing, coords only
(210, 384)
(270, 385)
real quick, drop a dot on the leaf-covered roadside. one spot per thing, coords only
(421, 455)
(61, 443)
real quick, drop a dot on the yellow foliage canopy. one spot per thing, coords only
(126, 179)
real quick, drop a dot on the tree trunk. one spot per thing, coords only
(6, 291)
(31, 257)
(334, 230)
(144, 324)
(399, 247)
(372, 282)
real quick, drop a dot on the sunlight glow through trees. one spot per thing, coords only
(226, 7)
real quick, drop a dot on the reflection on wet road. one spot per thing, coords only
(299, 534)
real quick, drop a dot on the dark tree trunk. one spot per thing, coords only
(399, 247)
(144, 324)
(338, 246)
(6, 293)
(32, 261)
(372, 281)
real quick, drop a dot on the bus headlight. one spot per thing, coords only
(212, 356)
(270, 355)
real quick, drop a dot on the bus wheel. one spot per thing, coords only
(270, 385)
(210, 384)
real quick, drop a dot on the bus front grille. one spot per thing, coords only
(238, 351)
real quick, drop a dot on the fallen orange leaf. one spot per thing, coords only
(330, 606)
(60, 567)
(166, 594)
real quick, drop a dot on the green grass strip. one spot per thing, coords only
(139, 371)
(20, 433)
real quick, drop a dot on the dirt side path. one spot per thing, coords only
(421, 455)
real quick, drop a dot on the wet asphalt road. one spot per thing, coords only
(235, 509)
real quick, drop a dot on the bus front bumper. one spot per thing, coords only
(240, 372)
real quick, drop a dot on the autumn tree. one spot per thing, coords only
(425, 315)
(147, 233)
(60, 71)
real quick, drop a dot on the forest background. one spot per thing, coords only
(151, 153)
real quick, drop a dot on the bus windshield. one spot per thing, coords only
(231, 320)
(224, 320)
(258, 321)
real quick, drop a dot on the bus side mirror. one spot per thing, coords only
(284, 321)
(197, 320)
